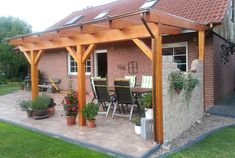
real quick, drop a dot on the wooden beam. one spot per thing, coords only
(31, 39)
(170, 30)
(145, 49)
(112, 35)
(48, 36)
(73, 53)
(39, 54)
(122, 23)
(34, 75)
(81, 84)
(172, 20)
(70, 32)
(201, 44)
(88, 52)
(157, 87)
(27, 57)
(87, 29)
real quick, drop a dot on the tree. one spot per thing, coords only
(12, 64)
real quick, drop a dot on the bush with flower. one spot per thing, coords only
(70, 103)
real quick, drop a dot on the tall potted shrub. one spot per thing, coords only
(89, 112)
(147, 104)
(70, 104)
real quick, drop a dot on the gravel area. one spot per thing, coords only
(207, 123)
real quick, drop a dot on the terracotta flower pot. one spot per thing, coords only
(51, 111)
(40, 112)
(91, 123)
(178, 90)
(30, 113)
(71, 120)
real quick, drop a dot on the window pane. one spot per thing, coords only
(180, 50)
(180, 59)
(167, 51)
(182, 67)
(88, 69)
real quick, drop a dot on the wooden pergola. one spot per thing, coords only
(80, 40)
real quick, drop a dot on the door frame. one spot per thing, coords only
(96, 60)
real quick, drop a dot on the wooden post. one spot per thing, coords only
(201, 44)
(157, 87)
(81, 84)
(34, 74)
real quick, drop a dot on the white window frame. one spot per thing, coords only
(175, 45)
(69, 69)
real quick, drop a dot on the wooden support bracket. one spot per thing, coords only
(145, 49)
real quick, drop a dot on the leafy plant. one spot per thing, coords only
(136, 121)
(176, 80)
(41, 102)
(90, 111)
(146, 101)
(190, 84)
(70, 102)
(52, 103)
(26, 105)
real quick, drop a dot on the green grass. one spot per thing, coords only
(9, 88)
(17, 142)
(218, 145)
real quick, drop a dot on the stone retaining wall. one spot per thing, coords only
(179, 115)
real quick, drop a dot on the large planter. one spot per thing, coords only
(149, 113)
(30, 113)
(51, 111)
(91, 123)
(40, 112)
(137, 130)
(71, 120)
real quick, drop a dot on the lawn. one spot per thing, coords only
(218, 145)
(9, 88)
(17, 142)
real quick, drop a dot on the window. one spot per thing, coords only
(179, 53)
(73, 20)
(148, 4)
(102, 14)
(72, 66)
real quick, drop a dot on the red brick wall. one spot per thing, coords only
(224, 74)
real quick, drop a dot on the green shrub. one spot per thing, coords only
(25, 105)
(136, 121)
(90, 111)
(41, 102)
(176, 80)
(146, 101)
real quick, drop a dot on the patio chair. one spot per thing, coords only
(103, 96)
(132, 80)
(124, 96)
(146, 82)
(93, 87)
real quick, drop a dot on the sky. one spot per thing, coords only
(41, 14)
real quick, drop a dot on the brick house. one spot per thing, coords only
(219, 78)
(190, 34)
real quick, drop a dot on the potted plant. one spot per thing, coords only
(137, 123)
(51, 107)
(70, 104)
(191, 83)
(89, 112)
(147, 104)
(176, 81)
(39, 106)
(26, 105)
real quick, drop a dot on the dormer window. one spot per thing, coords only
(102, 14)
(148, 4)
(73, 20)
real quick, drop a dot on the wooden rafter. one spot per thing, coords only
(145, 49)
(170, 30)
(122, 23)
(93, 28)
(157, 16)
(70, 32)
(88, 52)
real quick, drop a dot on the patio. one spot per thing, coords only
(112, 134)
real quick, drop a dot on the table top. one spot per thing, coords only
(135, 90)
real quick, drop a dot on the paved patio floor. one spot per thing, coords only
(225, 107)
(113, 134)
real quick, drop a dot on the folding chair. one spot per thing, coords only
(93, 87)
(124, 96)
(132, 80)
(103, 96)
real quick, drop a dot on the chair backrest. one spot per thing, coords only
(92, 85)
(123, 91)
(146, 82)
(101, 89)
(132, 80)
